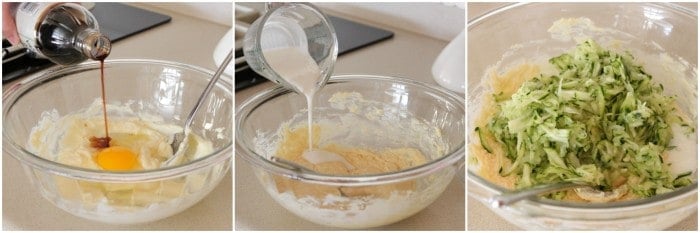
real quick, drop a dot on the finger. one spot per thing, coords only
(9, 28)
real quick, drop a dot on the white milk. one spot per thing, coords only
(320, 156)
(297, 67)
(300, 70)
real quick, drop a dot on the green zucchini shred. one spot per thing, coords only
(599, 118)
(481, 139)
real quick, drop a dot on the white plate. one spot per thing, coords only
(448, 69)
(222, 49)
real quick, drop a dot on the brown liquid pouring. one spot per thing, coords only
(103, 142)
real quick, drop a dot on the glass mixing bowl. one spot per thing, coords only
(655, 33)
(391, 113)
(157, 88)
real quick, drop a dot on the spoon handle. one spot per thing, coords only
(291, 165)
(205, 93)
(509, 198)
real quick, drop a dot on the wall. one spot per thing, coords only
(438, 20)
(220, 13)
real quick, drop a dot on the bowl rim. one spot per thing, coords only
(256, 160)
(659, 199)
(502, 9)
(571, 206)
(27, 158)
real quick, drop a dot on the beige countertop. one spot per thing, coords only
(185, 39)
(479, 216)
(407, 55)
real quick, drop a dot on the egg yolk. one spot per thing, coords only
(116, 158)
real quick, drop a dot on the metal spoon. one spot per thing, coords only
(511, 197)
(178, 146)
(292, 165)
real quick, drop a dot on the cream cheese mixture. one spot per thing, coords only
(64, 139)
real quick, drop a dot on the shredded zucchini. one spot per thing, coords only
(483, 141)
(599, 120)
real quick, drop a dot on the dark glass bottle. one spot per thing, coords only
(65, 33)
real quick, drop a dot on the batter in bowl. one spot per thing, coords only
(355, 161)
(598, 119)
(64, 139)
(370, 138)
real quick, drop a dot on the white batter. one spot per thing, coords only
(64, 139)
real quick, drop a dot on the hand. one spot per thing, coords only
(9, 28)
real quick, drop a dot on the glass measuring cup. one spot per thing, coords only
(291, 25)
